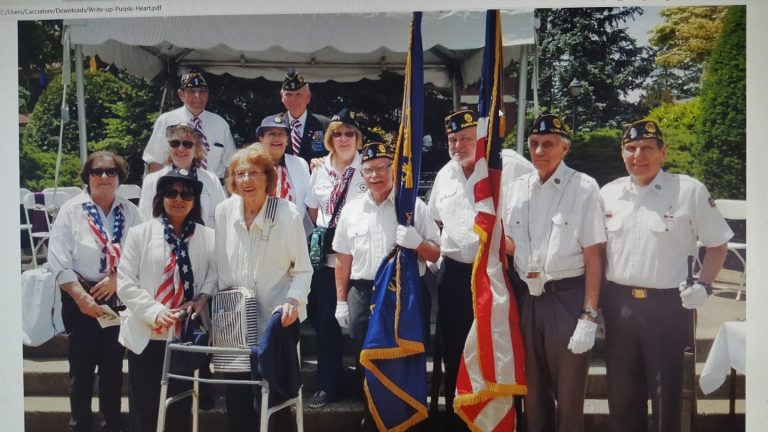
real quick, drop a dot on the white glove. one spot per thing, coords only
(583, 338)
(408, 237)
(693, 297)
(342, 314)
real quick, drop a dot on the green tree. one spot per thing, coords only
(594, 46)
(683, 42)
(119, 114)
(678, 122)
(42, 49)
(721, 149)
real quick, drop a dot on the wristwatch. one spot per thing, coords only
(590, 313)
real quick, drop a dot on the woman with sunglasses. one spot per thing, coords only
(292, 171)
(167, 267)
(83, 253)
(333, 183)
(260, 247)
(185, 152)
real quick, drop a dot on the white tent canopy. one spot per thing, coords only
(339, 47)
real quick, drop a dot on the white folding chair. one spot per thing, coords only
(25, 223)
(736, 210)
(37, 238)
(130, 192)
(67, 191)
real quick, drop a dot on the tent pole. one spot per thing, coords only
(455, 89)
(81, 103)
(522, 88)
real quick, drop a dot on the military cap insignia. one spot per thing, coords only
(278, 119)
(650, 127)
(467, 117)
(557, 123)
(183, 172)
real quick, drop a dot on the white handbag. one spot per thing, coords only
(40, 307)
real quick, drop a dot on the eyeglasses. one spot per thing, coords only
(98, 172)
(276, 134)
(241, 175)
(348, 134)
(380, 170)
(175, 143)
(172, 194)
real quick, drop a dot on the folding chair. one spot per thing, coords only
(130, 192)
(165, 401)
(25, 223)
(40, 236)
(736, 210)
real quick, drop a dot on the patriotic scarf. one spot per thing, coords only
(178, 281)
(283, 181)
(338, 187)
(198, 123)
(110, 250)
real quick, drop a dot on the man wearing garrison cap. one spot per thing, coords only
(553, 220)
(452, 204)
(217, 138)
(307, 128)
(653, 220)
(367, 231)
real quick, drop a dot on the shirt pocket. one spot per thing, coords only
(563, 234)
(358, 235)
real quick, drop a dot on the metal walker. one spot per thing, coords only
(166, 401)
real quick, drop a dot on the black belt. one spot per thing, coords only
(642, 293)
(362, 284)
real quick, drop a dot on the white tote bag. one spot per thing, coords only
(41, 307)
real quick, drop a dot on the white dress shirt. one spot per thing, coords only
(141, 271)
(73, 247)
(216, 131)
(452, 202)
(652, 230)
(284, 269)
(298, 173)
(321, 186)
(552, 222)
(211, 196)
(367, 231)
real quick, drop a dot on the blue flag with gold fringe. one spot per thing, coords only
(393, 351)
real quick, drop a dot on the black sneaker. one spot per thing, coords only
(319, 399)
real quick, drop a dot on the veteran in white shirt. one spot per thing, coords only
(553, 217)
(653, 220)
(217, 138)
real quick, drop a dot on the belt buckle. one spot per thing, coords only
(640, 293)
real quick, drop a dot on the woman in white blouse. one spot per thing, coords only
(167, 267)
(267, 256)
(292, 171)
(83, 254)
(333, 183)
(185, 151)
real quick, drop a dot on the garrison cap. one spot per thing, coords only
(293, 80)
(549, 124)
(642, 129)
(347, 117)
(192, 80)
(374, 150)
(460, 120)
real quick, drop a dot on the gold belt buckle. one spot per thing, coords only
(639, 293)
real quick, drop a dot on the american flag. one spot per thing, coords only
(491, 372)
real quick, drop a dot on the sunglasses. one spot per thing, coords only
(175, 143)
(98, 172)
(348, 134)
(172, 194)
